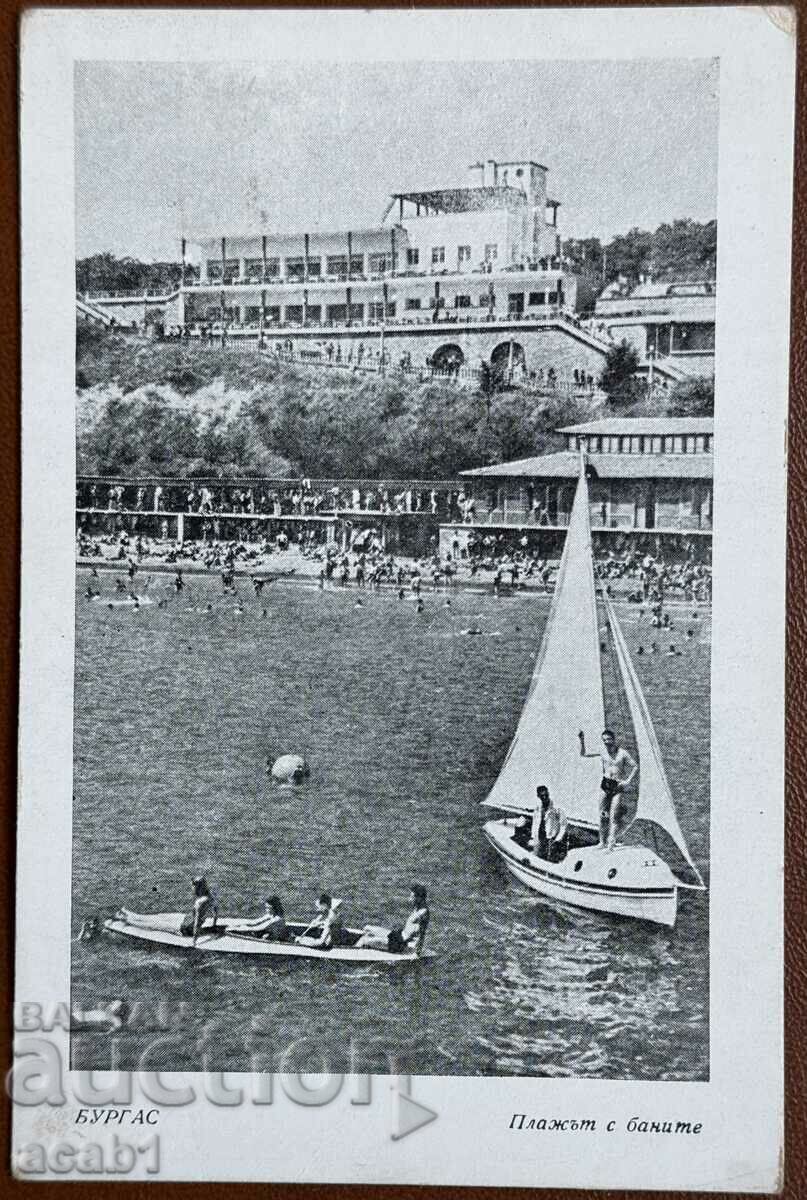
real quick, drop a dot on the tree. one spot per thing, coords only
(106, 273)
(584, 256)
(692, 398)
(618, 379)
(630, 255)
(685, 250)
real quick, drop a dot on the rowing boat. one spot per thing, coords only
(230, 936)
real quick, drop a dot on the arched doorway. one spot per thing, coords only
(507, 356)
(448, 359)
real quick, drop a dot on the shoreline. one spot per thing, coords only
(309, 579)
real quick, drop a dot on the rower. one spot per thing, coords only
(409, 938)
(326, 929)
(271, 926)
(203, 905)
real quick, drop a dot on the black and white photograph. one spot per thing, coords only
(393, 538)
(414, 384)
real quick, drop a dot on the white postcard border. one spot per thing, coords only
(740, 1109)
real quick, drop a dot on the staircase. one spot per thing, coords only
(87, 311)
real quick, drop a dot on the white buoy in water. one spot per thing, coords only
(290, 768)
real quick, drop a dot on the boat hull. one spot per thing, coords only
(226, 940)
(628, 881)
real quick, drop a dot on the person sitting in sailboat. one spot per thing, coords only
(549, 826)
(618, 773)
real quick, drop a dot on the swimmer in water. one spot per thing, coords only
(420, 606)
(264, 613)
(446, 604)
(401, 594)
(359, 603)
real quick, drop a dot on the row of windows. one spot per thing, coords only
(699, 443)
(293, 313)
(295, 268)
(463, 255)
(411, 304)
(377, 263)
(515, 301)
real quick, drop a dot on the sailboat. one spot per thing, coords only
(566, 696)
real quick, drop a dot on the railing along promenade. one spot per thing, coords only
(371, 363)
(477, 515)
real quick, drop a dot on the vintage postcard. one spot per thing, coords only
(401, 745)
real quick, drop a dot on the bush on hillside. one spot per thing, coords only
(692, 398)
(619, 380)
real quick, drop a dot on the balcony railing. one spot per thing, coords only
(425, 317)
(130, 294)
(518, 517)
(551, 267)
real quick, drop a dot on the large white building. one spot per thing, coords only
(454, 276)
(451, 279)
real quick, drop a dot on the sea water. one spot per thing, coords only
(405, 719)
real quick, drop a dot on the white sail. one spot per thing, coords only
(565, 694)
(655, 798)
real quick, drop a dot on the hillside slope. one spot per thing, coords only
(174, 409)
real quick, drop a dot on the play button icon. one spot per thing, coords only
(410, 1115)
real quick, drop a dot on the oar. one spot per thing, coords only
(309, 926)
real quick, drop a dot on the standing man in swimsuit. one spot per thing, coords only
(618, 773)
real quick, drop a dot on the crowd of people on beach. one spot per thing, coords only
(502, 561)
(653, 578)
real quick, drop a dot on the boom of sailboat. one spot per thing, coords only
(566, 696)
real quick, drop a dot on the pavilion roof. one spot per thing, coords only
(633, 426)
(565, 464)
(455, 200)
